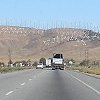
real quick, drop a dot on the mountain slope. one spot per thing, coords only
(31, 43)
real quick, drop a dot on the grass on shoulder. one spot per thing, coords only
(12, 69)
(90, 70)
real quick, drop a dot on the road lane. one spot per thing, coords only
(92, 81)
(12, 81)
(53, 85)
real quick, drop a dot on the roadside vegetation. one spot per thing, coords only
(16, 66)
(11, 69)
(86, 66)
(90, 70)
(19, 65)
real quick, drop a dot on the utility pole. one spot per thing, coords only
(9, 52)
(86, 56)
(9, 56)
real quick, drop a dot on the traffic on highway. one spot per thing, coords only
(49, 50)
(43, 84)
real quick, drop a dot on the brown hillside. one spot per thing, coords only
(31, 43)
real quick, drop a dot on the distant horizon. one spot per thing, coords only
(46, 27)
(51, 13)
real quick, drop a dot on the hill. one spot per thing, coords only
(29, 43)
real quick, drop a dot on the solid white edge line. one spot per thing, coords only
(96, 91)
(9, 92)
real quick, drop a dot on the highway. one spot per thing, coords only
(43, 84)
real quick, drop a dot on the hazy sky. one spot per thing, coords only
(50, 12)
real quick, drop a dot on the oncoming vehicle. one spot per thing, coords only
(39, 66)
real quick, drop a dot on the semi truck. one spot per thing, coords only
(57, 62)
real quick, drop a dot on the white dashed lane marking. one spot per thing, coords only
(23, 84)
(30, 79)
(9, 92)
(34, 76)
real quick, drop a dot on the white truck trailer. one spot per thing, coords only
(57, 62)
(48, 62)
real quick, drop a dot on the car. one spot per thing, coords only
(40, 66)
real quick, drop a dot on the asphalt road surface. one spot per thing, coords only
(42, 84)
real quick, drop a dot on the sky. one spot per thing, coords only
(50, 13)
